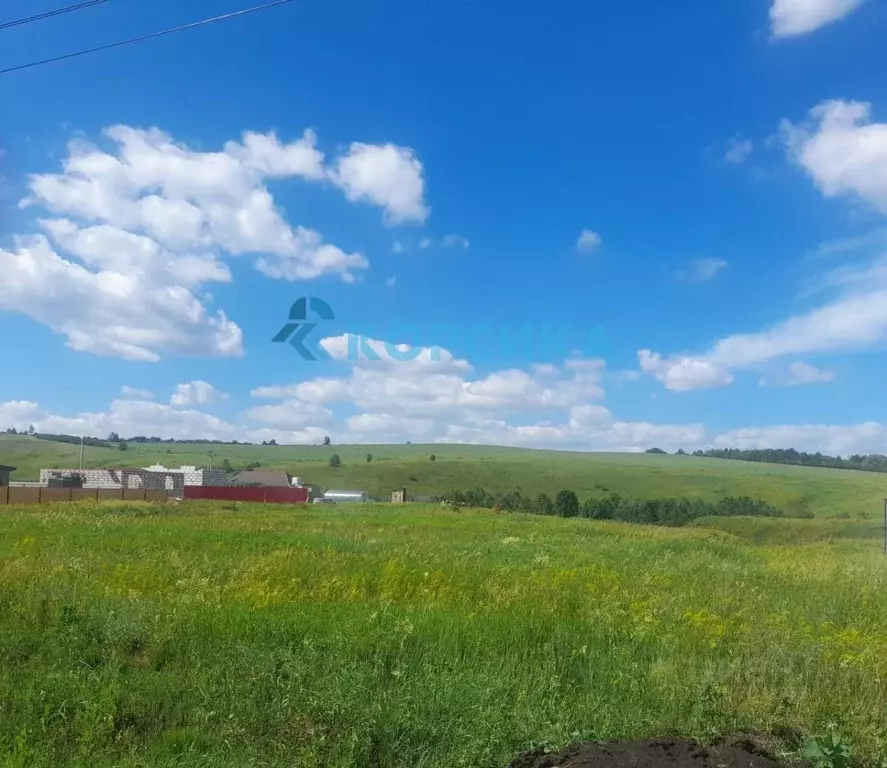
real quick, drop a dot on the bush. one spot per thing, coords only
(543, 505)
(335, 461)
(369, 458)
(567, 504)
(433, 457)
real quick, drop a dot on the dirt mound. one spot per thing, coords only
(657, 753)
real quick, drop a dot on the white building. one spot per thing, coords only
(345, 496)
(193, 475)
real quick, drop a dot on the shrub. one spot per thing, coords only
(567, 504)
(335, 461)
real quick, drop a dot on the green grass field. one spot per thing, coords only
(825, 492)
(201, 635)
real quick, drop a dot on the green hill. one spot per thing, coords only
(824, 492)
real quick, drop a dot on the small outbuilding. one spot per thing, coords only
(5, 472)
(345, 496)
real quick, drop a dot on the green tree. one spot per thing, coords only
(123, 446)
(335, 461)
(567, 504)
(433, 457)
(369, 458)
(544, 505)
(226, 466)
(326, 440)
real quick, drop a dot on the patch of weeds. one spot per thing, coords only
(829, 751)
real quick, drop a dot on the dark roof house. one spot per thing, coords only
(5, 472)
(265, 478)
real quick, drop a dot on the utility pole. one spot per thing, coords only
(211, 454)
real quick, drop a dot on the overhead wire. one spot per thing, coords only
(51, 14)
(141, 38)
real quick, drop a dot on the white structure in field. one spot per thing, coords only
(193, 475)
(345, 496)
(157, 477)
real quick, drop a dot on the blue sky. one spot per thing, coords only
(694, 194)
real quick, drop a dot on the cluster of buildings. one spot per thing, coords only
(175, 481)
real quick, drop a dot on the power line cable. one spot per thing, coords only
(150, 36)
(50, 14)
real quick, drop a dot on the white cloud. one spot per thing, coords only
(196, 393)
(585, 427)
(132, 393)
(135, 314)
(738, 151)
(386, 175)
(390, 281)
(804, 373)
(456, 241)
(292, 415)
(790, 18)
(397, 247)
(842, 150)
(704, 270)
(833, 440)
(682, 373)
(845, 154)
(19, 414)
(588, 240)
(140, 226)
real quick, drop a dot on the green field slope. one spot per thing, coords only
(200, 635)
(825, 492)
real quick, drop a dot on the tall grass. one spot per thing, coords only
(370, 636)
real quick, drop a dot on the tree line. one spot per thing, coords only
(664, 511)
(874, 462)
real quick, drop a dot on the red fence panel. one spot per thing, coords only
(286, 495)
(259, 495)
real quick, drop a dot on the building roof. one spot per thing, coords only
(259, 477)
(345, 493)
(7, 468)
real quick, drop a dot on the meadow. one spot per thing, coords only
(795, 489)
(370, 635)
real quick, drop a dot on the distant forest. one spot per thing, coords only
(875, 462)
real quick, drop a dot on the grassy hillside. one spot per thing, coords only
(402, 637)
(825, 492)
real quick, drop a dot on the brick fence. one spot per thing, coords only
(18, 495)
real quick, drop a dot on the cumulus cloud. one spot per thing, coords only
(588, 241)
(389, 176)
(803, 373)
(196, 393)
(681, 373)
(133, 393)
(843, 150)
(704, 270)
(139, 227)
(855, 320)
(456, 241)
(135, 314)
(790, 18)
(738, 151)
(834, 440)
(583, 427)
